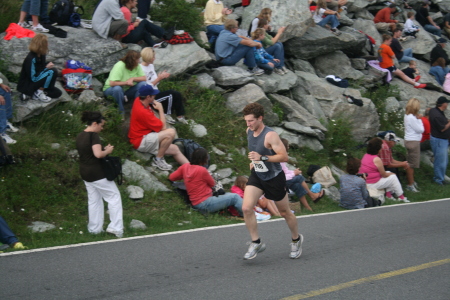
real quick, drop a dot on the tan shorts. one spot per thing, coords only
(413, 156)
(150, 143)
(382, 26)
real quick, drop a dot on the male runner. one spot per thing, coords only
(267, 177)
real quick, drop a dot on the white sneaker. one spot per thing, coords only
(278, 71)
(39, 28)
(8, 139)
(256, 71)
(181, 119)
(116, 233)
(170, 120)
(24, 25)
(254, 249)
(284, 69)
(161, 164)
(178, 32)
(11, 128)
(404, 200)
(412, 188)
(41, 96)
(296, 248)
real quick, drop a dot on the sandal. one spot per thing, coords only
(320, 197)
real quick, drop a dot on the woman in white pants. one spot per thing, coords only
(98, 187)
(377, 177)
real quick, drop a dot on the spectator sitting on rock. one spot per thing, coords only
(149, 133)
(215, 15)
(389, 163)
(8, 238)
(410, 28)
(231, 48)
(6, 113)
(170, 99)
(403, 55)
(37, 77)
(383, 21)
(271, 44)
(263, 59)
(139, 29)
(108, 20)
(439, 70)
(353, 189)
(447, 24)
(438, 51)
(266, 14)
(424, 18)
(386, 56)
(125, 79)
(322, 16)
(411, 71)
(199, 185)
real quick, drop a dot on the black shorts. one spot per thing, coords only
(274, 189)
(392, 69)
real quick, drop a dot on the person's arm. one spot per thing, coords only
(177, 175)
(5, 87)
(99, 153)
(276, 145)
(377, 161)
(278, 35)
(2, 100)
(208, 178)
(250, 43)
(432, 22)
(158, 106)
(163, 75)
(114, 11)
(447, 126)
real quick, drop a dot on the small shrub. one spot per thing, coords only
(338, 137)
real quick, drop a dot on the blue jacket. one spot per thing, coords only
(439, 73)
(261, 56)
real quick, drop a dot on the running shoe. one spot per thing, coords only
(24, 24)
(181, 119)
(11, 128)
(116, 233)
(412, 188)
(278, 71)
(161, 164)
(39, 28)
(296, 248)
(254, 249)
(7, 139)
(170, 120)
(256, 71)
(41, 96)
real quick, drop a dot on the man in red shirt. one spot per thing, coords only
(148, 133)
(383, 20)
(385, 154)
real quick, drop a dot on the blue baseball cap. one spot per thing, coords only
(148, 90)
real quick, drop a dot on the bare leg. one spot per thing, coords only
(410, 176)
(174, 151)
(291, 220)
(22, 16)
(35, 20)
(405, 78)
(265, 203)
(305, 204)
(251, 196)
(166, 138)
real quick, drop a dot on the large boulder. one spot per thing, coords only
(275, 83)
(357, 5)
(318, 41)
(336, 63)
(368, 27)
(294, 14)
(427, 98)
(231, 76)
(312, 106)
(237, 100)
(301, 65)
(422, 44)
(137, 173)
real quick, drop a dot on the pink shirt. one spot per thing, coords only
(237, 190)
(288, 173)
(368, 166)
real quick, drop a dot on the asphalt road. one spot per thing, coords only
(342, 253)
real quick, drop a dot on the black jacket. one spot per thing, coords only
(437, 52)
(32, 68)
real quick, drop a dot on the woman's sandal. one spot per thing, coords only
(320, 197)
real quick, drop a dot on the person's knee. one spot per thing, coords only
(247, 209)
(170, 132)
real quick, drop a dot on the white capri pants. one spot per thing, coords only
(107, 190)
(391, 184)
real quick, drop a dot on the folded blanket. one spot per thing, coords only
(376, 64)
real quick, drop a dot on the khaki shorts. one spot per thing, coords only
(118, 27)
(150, 143)
(382, 26)
(413, 156)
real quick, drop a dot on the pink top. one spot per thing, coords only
(288, 173)
(127, 15)
(237, 190)
(367, 166)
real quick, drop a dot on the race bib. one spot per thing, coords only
(259, 166)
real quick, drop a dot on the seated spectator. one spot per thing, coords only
(271, 44)
(266, 13)
(386, 56)
(263, 59)
(7, 237)
(439, 70)
(32, 7)
(447, 24)
(231, 48)
(402, 55)
(6, 113)
(296, 183)
(199, 185)
(139, 29)
(37, 77)
(322, 16)
(410, 28)
(353, 187)
(215, 15)
(149, 133)
(438, 51)
(411, 71)
(389, 163)
(125, 79)
(170, 99)
(108, 20)
(383, 21)
(338, 5)
(377, 177)
(424, 19)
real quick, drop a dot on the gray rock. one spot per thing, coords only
(199, 130)
(228, 180)
(202, 37)
(73, 154)
(302, 65)
(135, 192)
(427, 98)
(97, 87)
(237, 100)
(333, 193)
(319, 88)
(212, 168)
(230, 3)
(294, 112)
(231, 76)
(345, 20)
(276, 83)
(143, 155)
(318, 41)
(364, 14)
(336, 171)
(358, 63)
(368, 27)
(217, 151)
(4, 79)
(294, 14)
(205, 81)
(88, 96)
(224, 173)
(136, 224)
(133, 171)
(293, 126)
(423, 44)
(336, 63)
(39, 226)
(300, 141)
(242, 151)
(55, 146)
(392, 105)
(311, 104)
(357, 5)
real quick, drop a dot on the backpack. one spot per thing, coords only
(324, 177)
(187, 147)
(6, 157)
(63, 12)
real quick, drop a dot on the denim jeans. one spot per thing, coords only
(240, 52)
(33, 7)
(143, 8)
(118, 93)
(213, 204)
(213, 31)
(267, 67)
(6, 234)
(144, 31)
(295, 185)
(329, 19)
(432, 29)
(5, 110)
(277, 51)
(407, 55)
(440, 151)
(43, 15)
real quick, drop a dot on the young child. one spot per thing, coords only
(410, 29)
(263, 59)
(412, 71)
